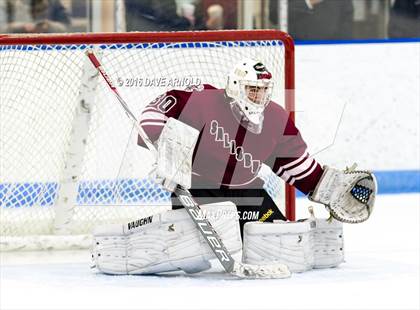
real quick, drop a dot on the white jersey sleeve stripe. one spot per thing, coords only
(151, 109)
(299, 169)
(305, 174)
(292, 163)
(153, 116)
(161, 124)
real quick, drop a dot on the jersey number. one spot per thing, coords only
(164, 103)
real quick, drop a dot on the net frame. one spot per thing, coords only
(174, 37)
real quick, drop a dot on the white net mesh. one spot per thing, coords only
(41, 87)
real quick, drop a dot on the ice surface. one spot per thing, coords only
(381, 272)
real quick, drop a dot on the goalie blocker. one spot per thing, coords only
(175, 149)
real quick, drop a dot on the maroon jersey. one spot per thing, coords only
(226, 153)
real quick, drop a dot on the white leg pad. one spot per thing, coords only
(164, 242)
(329, 243)
(289, 243)
(314, 243)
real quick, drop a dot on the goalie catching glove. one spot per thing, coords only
(348, 195)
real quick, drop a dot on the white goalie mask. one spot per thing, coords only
(250, 87)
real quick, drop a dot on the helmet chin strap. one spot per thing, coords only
(243, 120)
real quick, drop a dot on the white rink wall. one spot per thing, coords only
(378, 86)
(361, 103)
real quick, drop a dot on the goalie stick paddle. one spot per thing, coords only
(193, 209)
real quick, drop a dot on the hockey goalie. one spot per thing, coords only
(220, 144)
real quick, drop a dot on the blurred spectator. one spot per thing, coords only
(35, 16)
(220, 14)
(163, 15)
(404, 19)
(3, 14)
(317, 19)
(215, 20)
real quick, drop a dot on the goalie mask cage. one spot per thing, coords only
(68, 154)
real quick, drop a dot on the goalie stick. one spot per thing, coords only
(193, 209)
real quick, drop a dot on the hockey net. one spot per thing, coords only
(68, 154)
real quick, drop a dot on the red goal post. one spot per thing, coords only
(48, 111)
